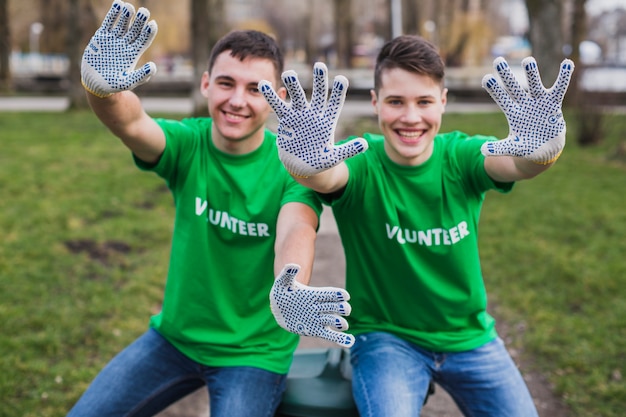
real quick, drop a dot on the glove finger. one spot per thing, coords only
(126, 14)
(334, 321)
(112, 15)
(276, 103)
(497, 93)
(535, 85)
(137, 26)
(559, 88)
(287, 276)
(337, 98)
(330, 294)
(509, 81)
(142, 75)
(499, 147)
(295, 90)
(340, 338)
(320, 88)
(146, 37)
(350, 149)
(342, 308)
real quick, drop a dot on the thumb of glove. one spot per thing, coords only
(350, 149)
(286, 280)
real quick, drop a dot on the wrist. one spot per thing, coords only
(549, 161)
(94, 93)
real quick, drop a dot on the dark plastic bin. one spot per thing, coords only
(318, 385)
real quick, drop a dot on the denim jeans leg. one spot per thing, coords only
(244, 391)
(486, 382)
(143, 379)
(389, 377)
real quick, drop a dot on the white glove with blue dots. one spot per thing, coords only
(306, 130)
(535, 117)
(109, 60)
(310, 311)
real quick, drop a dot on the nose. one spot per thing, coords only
(238, 98)
(411, 114)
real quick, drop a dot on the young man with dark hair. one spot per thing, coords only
(407, 204)
(239, 218)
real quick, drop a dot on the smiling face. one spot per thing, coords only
(239, 111)
(409, 108)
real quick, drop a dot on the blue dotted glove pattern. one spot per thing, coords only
(305, 136)
(109, 60)
(310, 311)
(536, 124)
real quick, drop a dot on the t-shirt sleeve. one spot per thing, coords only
(470, 160)
(356, 165)
(180, 138)
(295, 192)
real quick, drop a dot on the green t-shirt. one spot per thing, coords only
(410, 236)
(216, 303)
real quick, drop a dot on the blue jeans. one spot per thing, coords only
(390, 378)
(151, 374)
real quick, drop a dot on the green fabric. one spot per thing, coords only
(411, 241)
(216, 307)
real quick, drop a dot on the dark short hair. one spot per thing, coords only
(411, 53)
(249, 43)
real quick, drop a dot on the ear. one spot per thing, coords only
(282, 92)
(444, 98)
(374, 100)
(204, 84)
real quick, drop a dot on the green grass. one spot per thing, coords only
(83, 255)
(85, 242)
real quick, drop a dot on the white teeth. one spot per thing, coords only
(411, 134)
(234, 116)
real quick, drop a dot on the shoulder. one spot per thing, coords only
(457, 141)
(192, 124)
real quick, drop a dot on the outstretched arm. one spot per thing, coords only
(296, 231)
(536, 124)
(306, 130)
(108, 74)
(297, 307)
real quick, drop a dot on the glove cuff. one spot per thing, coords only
(92, 92)
(549, 152)
(548, 162)
(295, 166)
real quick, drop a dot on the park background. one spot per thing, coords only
(84, 236)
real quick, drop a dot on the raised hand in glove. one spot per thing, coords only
(306, 130)
(310, 311)
(109, 60)
(536, 124)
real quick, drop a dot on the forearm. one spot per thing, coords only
(511, 168)
(328, 181)
(123, 114)
(298, 247)
(296, 231)
(119, 112)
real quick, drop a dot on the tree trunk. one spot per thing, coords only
(546, 36)
(206, 29)
(5, 47)
(343, 33)
(577, 34)
(410, 17)
(74, 51)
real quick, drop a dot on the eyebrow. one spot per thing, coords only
(395, 97)
(231, 79)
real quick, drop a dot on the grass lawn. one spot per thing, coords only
(85, 243)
